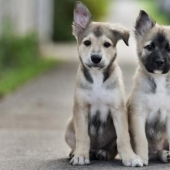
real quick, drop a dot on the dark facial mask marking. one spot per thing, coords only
(157, 54)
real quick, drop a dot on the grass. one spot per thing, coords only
(152, 9)
(10, 79)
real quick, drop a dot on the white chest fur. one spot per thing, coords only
(100, 98)
(158, 101)
(154, 106)
(99, 94)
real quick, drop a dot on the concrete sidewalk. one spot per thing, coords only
(32, 125)
(33, 118)
(32, 121)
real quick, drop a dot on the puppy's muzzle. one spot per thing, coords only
(96, 59)
(159, 63)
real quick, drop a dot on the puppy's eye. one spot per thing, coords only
(107, 44)
(87, 43)
(150, 47)
(167, 48)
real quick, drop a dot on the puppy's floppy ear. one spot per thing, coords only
(82, 18)
(121, 32)
(143, 23)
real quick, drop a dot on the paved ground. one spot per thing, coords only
(32, 124)
(32, 119)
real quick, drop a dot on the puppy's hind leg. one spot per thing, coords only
(107, 153)
(70, 137)
(164, 156)
(103, 155)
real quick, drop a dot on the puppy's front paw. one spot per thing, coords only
(144, 158)
(79, 160)
(145, 162)
(132, 161)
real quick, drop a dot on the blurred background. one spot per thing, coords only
(38, 64)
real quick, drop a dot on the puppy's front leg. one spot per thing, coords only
(137, 130)
(81, 154)
(129, 158)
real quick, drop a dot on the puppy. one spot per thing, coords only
(149, 102)
(99, 124)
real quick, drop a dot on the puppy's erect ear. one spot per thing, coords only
(143, 23)
(82, 18)
(121, 33)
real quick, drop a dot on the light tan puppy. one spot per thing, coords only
(149, 102)
(99, 124)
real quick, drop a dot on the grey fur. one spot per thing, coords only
(109, 120)
(107, 71)
(111, 85)
(152, 84)
(156, 128)
(95, 122)
(98, 31)
(85, 86)
(168, 83)
(143, 23)
(87, 74)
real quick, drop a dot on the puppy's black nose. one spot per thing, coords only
(159, 62)
(96, 59)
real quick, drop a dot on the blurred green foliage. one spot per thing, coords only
(19, 59)
(17, 50)
(63, 16)
(12, 78)
(152, 8)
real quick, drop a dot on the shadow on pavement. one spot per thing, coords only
(63, 163)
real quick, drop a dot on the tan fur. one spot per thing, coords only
(99, 121)
(80, 143)
(148, 110)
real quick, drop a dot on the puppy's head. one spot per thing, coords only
(96, 41)
(153, 44)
